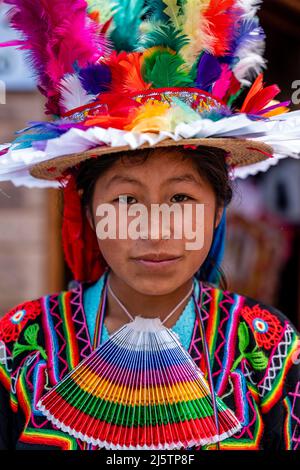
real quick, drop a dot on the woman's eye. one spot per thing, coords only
(180, 196)
(125, 199)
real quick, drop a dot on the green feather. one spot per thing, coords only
(164, 69)
(126, 23)
(165, 35)
(156, 10)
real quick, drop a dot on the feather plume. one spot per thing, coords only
(208, 71)
(222, 85)
(163, 68)
(194, 26)
(250, 65)
(118, 111)
(95, 78)
(151, 117)
(126, 72)
(259, 99)
(73, 94)
(164, 35)
(248, 41)
(57, 34)
(220, 18)
(249, 7)
(126, 23)
(156, 10)
(172, 10)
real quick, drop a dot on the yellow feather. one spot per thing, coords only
(194, 26)
(151, 117)
(173, 11)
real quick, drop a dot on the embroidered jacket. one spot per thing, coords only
(254, 351)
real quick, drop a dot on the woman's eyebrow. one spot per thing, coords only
(123, 179)
(187, 177)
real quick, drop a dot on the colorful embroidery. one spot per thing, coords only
(30, 336)
(249, 379)
(256, 357)
(266, 327)
(13, 322)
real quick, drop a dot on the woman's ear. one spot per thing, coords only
(218, 216)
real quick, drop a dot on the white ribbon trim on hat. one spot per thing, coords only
(282, 132)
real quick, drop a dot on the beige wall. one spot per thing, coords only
(30, 265)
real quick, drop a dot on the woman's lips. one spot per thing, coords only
(157, 264)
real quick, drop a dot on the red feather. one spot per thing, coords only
(259, 97)
(126, 72)
(221, 17)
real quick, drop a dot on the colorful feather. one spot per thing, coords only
(194, 26)
(163, 68)
(126, 22)
(57, 34)
(155, 10)
(126, 70)
(219, 17)
(222, 85)
(164, 35)
(248, 46)
(172, 10)
(151, 117)
(208, 71)
(259, 98)
(249, 7)
(73, 95)
(95, 78)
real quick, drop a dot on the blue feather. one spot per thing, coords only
(246, 30)
(208, 71)
(95, 78)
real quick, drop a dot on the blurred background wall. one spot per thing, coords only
(262, 258)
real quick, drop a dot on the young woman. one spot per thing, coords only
(253, 348)
(147, 349)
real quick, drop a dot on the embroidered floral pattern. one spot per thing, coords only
(12, 323)
(265, 326)
(256, 357)
(31, 338)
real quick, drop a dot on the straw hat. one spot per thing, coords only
(119, 76)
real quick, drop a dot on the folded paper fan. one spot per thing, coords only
(140, 389)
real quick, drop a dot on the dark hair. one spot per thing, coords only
(210, 163)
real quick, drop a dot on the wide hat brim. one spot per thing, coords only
(241, 152)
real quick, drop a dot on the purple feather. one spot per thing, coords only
(247, 30)
(95, 78)
(209, 70)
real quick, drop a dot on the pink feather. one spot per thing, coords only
(222, 85)
(58, 34)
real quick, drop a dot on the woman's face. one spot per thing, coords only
(164, 178)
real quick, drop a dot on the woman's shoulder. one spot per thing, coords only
(260, 316)
(29, 312)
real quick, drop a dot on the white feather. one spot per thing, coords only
(250, 7)
(249, 66)
(73, 94)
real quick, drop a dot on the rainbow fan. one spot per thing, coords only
(140, 390)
